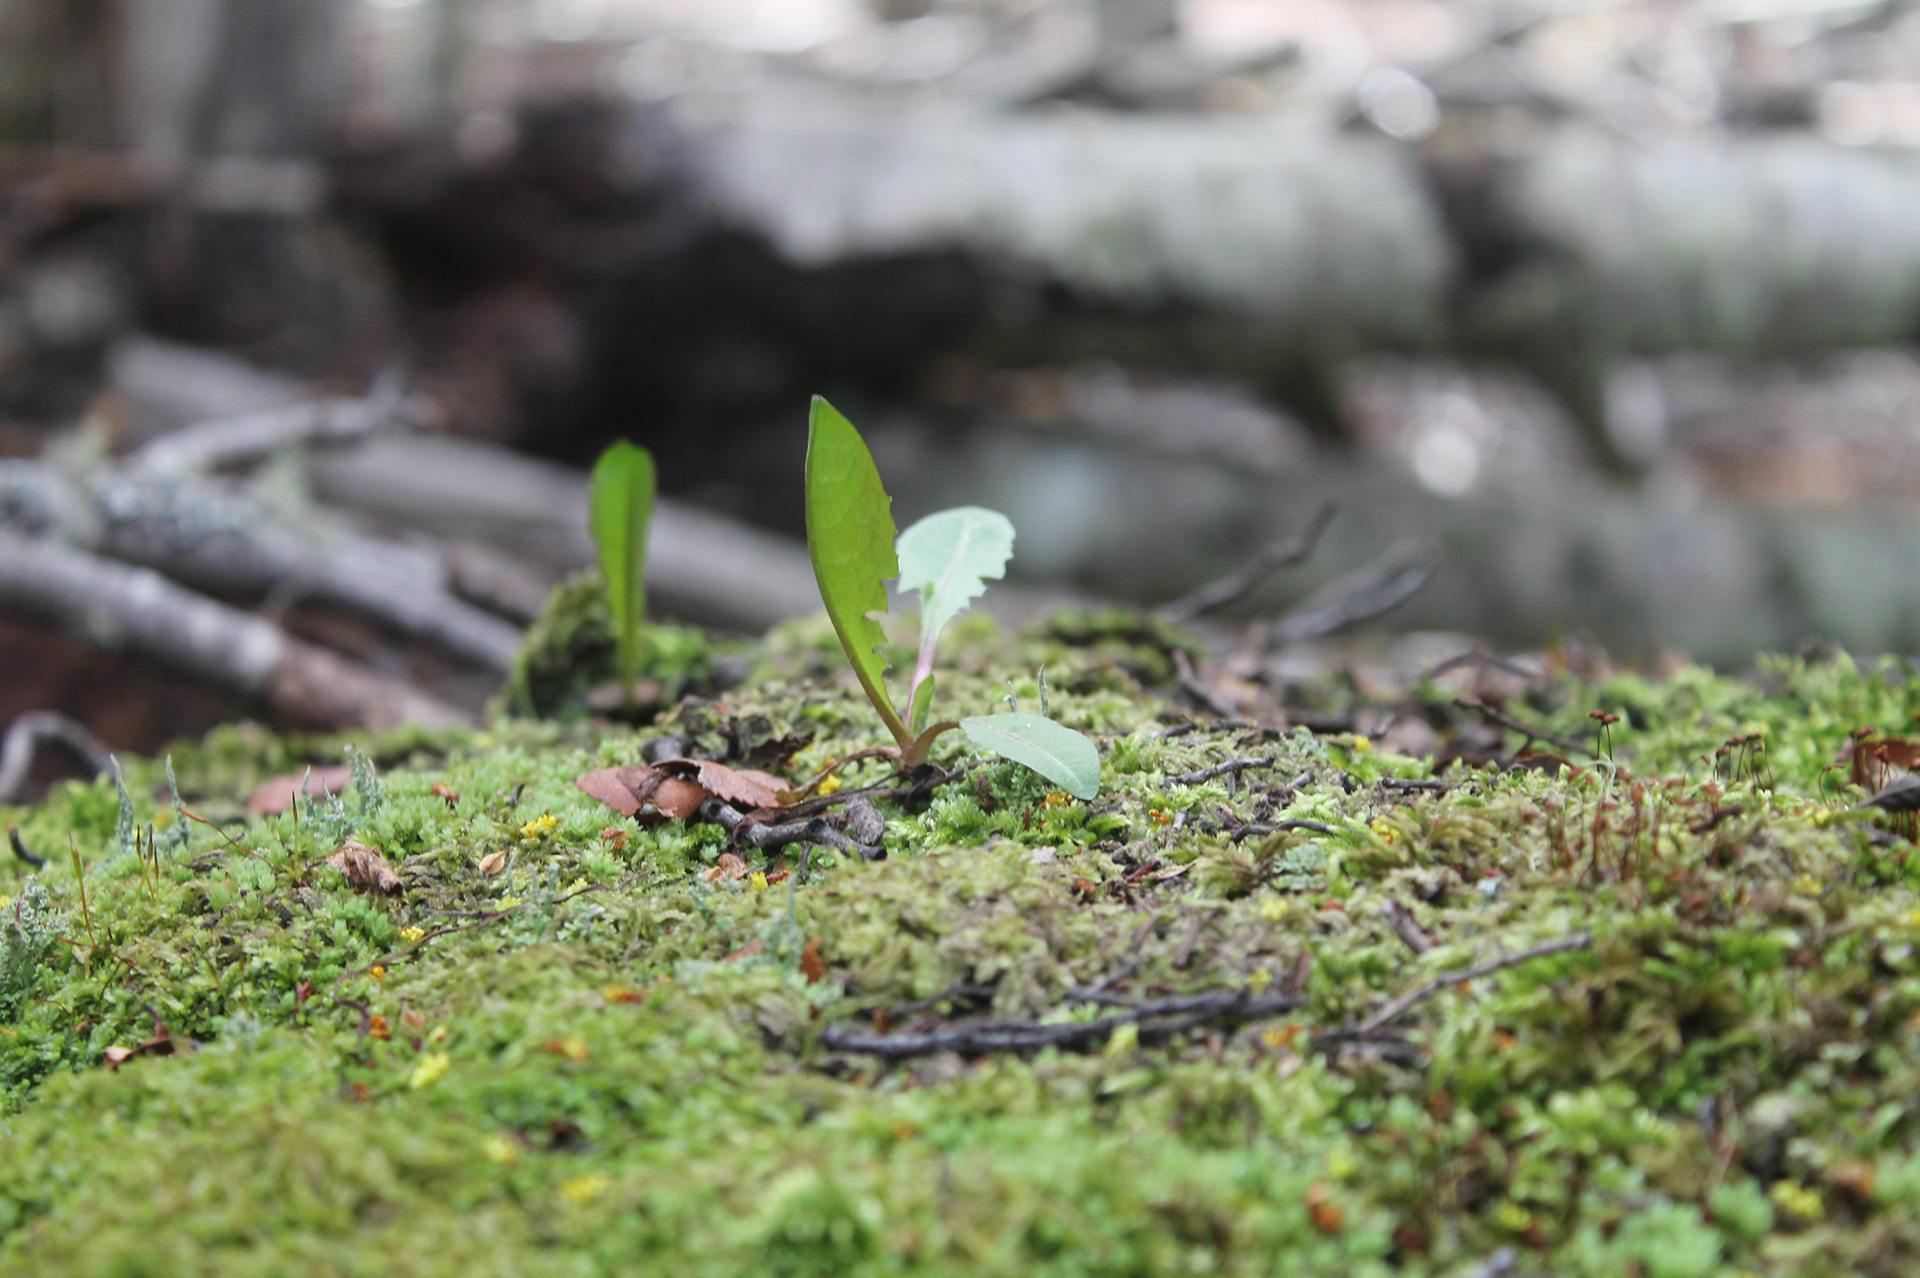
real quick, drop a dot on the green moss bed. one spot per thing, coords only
(567, 1048)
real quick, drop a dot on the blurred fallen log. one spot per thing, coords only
(700, 566)
(23, 738)
(222, 442)
(137, 609)
(210, 535)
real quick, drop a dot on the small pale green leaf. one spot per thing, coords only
(922, 706)
(850, 536)
(1056, 752)
(622, 507)
(948, 557)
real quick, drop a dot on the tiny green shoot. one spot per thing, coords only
(946, 557)
(622, 508)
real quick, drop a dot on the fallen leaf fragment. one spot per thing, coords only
(366, 869)
(812, 966)
(628, 790)
(493, 862)
(378, 1027)
(1322, 1210)
(622, 994)
(727, 868)
(744, 952)
(444, 791)
(276, 794)
(741, 787)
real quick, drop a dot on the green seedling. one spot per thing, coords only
(622, 507)
(946, 557)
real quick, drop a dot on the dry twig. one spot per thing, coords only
(1284, 553)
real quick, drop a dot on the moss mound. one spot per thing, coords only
(579, 1044)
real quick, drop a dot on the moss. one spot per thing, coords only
(565, 1051)
(570, 652)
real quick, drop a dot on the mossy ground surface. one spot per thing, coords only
(625, 1075)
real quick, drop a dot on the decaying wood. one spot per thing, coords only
(118, 605)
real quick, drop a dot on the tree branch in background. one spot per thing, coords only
(1284, 553)
(1382, 585)
(113, 603)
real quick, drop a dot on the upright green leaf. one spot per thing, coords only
(1055, 751)
(622, 507)
(948, 557)
(850, 536)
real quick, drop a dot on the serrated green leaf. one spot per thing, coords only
(1055, 751)
(948, 557)
(850, 537)
(621, 509)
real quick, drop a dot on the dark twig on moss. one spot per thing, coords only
(1255, 829)
(1399, 1006)
(1284, 553)
(1404, 926)
(26, 733)
(1231, 766)
(1403, 783)
(763, 836)
(1157, 1019)
(1500, 718)
(20, 848)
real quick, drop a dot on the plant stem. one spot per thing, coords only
(80, 875)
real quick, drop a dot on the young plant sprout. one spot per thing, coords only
(946, 557)
(622, 507)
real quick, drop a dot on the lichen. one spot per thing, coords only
(568, 1049)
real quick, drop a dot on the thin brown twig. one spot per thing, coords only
(1234, 766)
(419, 941)
(1156, 1019)
(1236, 585)
(1502, 719)
(1380, 1019)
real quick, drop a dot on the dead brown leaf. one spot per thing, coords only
(727, 868)
(493, 862)
(812, 966)
(744, 952)
(628, 790)
(366, 869)
(743, 787)
(444, 791)
(276, 794)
